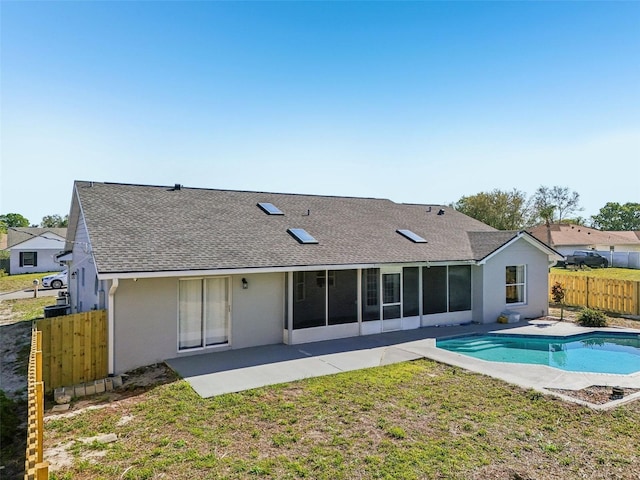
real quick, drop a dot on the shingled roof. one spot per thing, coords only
(563, 234)
(138, 228)
(16, 235)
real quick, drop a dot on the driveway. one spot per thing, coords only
(42, 292)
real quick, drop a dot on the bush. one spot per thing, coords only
(591, 317)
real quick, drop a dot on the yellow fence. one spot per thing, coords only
(617, 296)
(35, 467)
(74, 348)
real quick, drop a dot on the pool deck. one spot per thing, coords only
(229, 371)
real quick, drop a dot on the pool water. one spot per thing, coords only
(593, 352)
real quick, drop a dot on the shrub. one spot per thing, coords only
(591, 317)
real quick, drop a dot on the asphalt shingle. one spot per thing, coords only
(137, 228)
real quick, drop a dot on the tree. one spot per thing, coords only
(616, 217)
(8, 220)
(553, 204)
(54, 221)
(499, 209)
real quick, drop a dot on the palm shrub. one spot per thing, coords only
(557, 293)
(591, 317)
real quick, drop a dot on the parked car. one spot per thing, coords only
(584, 257)
(58, 280)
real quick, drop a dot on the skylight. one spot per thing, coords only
(414, 237)
(270, 208)
(301, 235)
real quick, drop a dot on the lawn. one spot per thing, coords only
(414, 420)
(613, 273)
(14, 283)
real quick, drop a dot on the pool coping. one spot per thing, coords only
(538, 377)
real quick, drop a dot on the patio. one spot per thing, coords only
(230, 371)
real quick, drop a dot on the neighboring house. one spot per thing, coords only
(183, 271)
(33, 250)
(622, 249)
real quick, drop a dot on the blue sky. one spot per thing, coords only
(419, 102)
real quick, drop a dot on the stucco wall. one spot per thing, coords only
(257, 315)
(46, 249)
(146, 318)
(537, 281)
(46, 263)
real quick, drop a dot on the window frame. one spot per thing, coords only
(34, 259)
(202, 281)
(516, 284)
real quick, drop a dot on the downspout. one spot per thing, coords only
(111, 320)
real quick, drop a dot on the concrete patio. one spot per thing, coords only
(230, 371)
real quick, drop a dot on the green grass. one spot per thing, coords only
(413, 420)
(613, 273)
(14, 283)
(27, 308)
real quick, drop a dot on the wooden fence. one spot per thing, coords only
(74, 348)
(35, 467)
(617, 296)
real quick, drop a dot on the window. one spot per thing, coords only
(270, 208)
(203, 312)
(298, 281)
(325, 298)
(434, 289)
(410, 294)
(342, 297)
(414, 237)
(370, 294)
(28, 259)
(446, 289)
(301, 235)
(459, 288)
(516, 284)
(309, 309)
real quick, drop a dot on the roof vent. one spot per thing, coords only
(177, 187)
(441, 212)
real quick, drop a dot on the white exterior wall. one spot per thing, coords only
(146, 318)
(494, 281)
(82, 288)
(46, 249)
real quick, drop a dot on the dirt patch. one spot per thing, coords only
(595, 394)
(134, 383)
(15, 341)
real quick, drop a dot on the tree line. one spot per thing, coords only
(513, 210)
(14, 220)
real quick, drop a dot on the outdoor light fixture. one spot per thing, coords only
(245, 284)
(73, 274)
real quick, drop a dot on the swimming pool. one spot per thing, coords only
(591, 352)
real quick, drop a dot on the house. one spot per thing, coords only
(182, 271)
(33, 250)
(622, 249)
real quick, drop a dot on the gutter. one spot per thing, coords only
(292, 268)
(111, 323)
